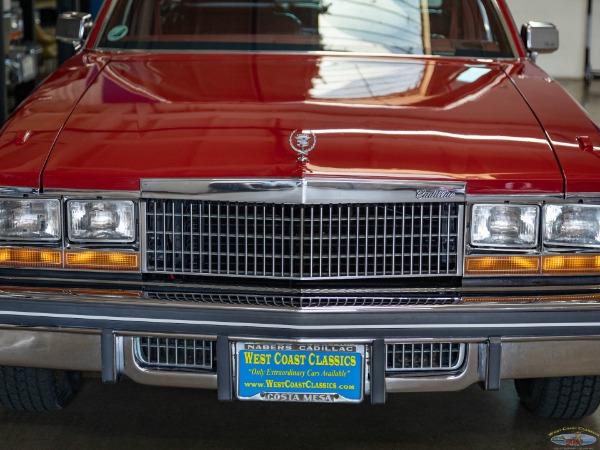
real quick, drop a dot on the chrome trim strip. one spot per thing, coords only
(143, 238)
(514, 198)
(460, 232)
(304, 190)
(279, 326)
(583, 195)
(18, 191)
(92, 194)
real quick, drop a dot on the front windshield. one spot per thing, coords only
(468, 28)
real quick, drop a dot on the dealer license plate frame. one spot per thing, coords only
(355, 376)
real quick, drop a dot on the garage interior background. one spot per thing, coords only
(570, 16)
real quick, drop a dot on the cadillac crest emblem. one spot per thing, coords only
(303, 141)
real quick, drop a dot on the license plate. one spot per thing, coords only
(300, 372)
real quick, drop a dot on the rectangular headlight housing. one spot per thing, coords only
(504, 226)
(35, 220)
(572, 226)
(100, 221)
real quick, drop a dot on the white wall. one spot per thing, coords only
(570, 17)
(595, 53)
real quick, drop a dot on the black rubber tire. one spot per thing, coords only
(29, 389)
(560, 398)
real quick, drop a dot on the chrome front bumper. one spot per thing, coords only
(97, 334)
(87, 351)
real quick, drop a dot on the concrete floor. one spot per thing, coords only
(134, 417)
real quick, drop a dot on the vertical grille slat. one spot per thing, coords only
(302, 241)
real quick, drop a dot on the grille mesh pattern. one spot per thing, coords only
(299, 301)
(301, 241)
(169, 353)
(433, 357)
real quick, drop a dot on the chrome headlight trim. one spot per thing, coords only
(572, 225)
(504, 226)
(38, 219)
(101, 221)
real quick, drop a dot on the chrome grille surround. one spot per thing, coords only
(425, 357)
(293, 301)
(174, 353)
(321, 241)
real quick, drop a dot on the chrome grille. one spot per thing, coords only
(302, 241)
(171, 353)
(300, 301)
(422, 357)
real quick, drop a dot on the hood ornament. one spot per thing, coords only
(303, 141)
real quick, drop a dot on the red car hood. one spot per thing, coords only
(211, 116)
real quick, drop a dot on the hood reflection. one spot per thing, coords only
(330, 79)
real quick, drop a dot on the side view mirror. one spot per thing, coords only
(73, 27)
(540, 37)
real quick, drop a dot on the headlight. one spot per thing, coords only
(572, 225)
(505, 226)
(101, 221)
(30, 220)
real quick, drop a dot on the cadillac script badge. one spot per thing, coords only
(303, 141)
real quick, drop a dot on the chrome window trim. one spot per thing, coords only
(100, 33)
(361, 55)
(303, 190)
(506, 28)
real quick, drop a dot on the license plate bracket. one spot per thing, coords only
(299, 372)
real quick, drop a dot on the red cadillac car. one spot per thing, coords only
(301, 200)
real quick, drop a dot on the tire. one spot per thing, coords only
(560, 398)
(29, 389)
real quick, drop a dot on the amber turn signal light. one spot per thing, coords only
(571, 264)
(102, 260)
(502, 265)
(30, 257)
